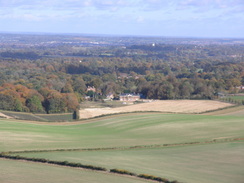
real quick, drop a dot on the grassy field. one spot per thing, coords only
(26, 172)
(121, 130)
(236, 97)
(223, 162)
(232, 111)
(219, 162)
(39, 117)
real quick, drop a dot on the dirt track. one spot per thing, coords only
(167, 106)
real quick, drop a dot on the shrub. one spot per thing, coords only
(121, 171)
(151, 177)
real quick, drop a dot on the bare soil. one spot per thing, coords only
(4, 116)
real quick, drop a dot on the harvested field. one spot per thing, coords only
(167, 106)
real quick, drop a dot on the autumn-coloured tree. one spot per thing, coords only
(67, 88)
(71, 101)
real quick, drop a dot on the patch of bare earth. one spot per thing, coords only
(4, 116)
(167, 106)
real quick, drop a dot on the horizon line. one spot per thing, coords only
(115, 35)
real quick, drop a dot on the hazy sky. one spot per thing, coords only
(181, 18)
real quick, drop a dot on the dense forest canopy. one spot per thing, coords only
(51, 73)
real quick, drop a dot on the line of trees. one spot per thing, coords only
(22, 99)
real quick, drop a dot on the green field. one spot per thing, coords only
(236, 97)
(116, 131)
(25, 172)
(232, 111)
(219, 162)
(40, 117)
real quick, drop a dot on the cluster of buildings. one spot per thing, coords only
(124, 97)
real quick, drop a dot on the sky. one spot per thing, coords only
(170, 18)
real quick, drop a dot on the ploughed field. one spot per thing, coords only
(190, 148)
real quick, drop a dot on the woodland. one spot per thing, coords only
(52, 75)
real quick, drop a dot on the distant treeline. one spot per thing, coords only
(155, 71)
(20, 55)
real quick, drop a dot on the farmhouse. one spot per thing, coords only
(240, 87)
(89, 88)
(110, 96)
(129, 97)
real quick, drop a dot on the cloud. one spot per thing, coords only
(153, 5)
(70, 4)
(37, 10)
(123, 15)
(121, 4)
(140, 19)
(217, 4)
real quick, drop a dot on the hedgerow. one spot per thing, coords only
(121, 171)
(62, 163)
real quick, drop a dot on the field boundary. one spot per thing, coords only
(137, 108)
(88, 167)
(131, 147)
(221, 109)
(11, 156)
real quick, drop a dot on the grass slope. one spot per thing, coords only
(232, 111)
(209, 163)
(116, 131)
(26, 172)
(38, 117)
(119, 131)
